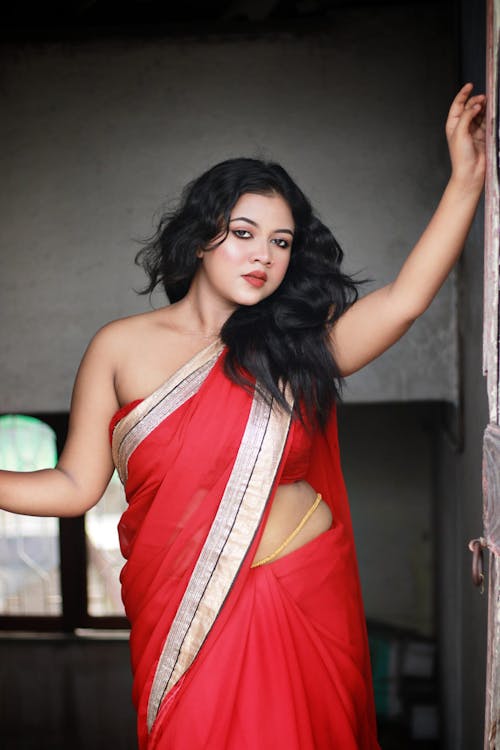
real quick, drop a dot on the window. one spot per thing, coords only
(104, 560)
(56, 573)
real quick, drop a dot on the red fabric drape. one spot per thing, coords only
(286, 663)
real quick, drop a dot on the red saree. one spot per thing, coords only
(225, 656)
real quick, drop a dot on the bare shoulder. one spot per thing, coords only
(143, 350)
(135, 323)
(122, 334)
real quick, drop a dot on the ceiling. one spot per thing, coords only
(161, 15)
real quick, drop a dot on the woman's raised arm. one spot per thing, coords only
(85, 465)
(378, 320)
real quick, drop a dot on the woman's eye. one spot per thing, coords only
(282, 243)
(243, 234)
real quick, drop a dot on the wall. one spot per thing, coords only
(97, 134)
(462, 626)
(462, 629)
(389, 468)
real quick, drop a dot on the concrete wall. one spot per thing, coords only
(462, 610)
(96, 135)
(389, 468)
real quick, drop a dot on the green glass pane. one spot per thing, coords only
(29, 548)
(26, 444)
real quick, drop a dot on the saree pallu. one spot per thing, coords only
(226, 656)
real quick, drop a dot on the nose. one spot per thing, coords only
(262, 254)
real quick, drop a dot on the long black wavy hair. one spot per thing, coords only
(283, 339)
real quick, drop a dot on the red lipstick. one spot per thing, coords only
(256, 278)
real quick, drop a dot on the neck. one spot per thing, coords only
(199, 312)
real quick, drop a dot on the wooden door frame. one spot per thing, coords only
(491, 449)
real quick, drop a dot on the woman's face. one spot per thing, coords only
(251, 262)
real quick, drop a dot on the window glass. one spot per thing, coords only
(104, 559)
(29, 546)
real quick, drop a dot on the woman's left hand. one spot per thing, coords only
(466, 134)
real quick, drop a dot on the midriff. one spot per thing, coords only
(291, 502)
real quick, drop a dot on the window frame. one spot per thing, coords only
(72, 568)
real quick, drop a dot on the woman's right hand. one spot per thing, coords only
(466, 136)
(85, 466)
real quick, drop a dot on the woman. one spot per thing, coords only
(247, 627)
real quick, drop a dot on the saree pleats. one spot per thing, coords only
(286, 673)
(225, 656)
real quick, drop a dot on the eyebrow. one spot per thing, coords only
(254, 223)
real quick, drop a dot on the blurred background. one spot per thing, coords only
(108, 110)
